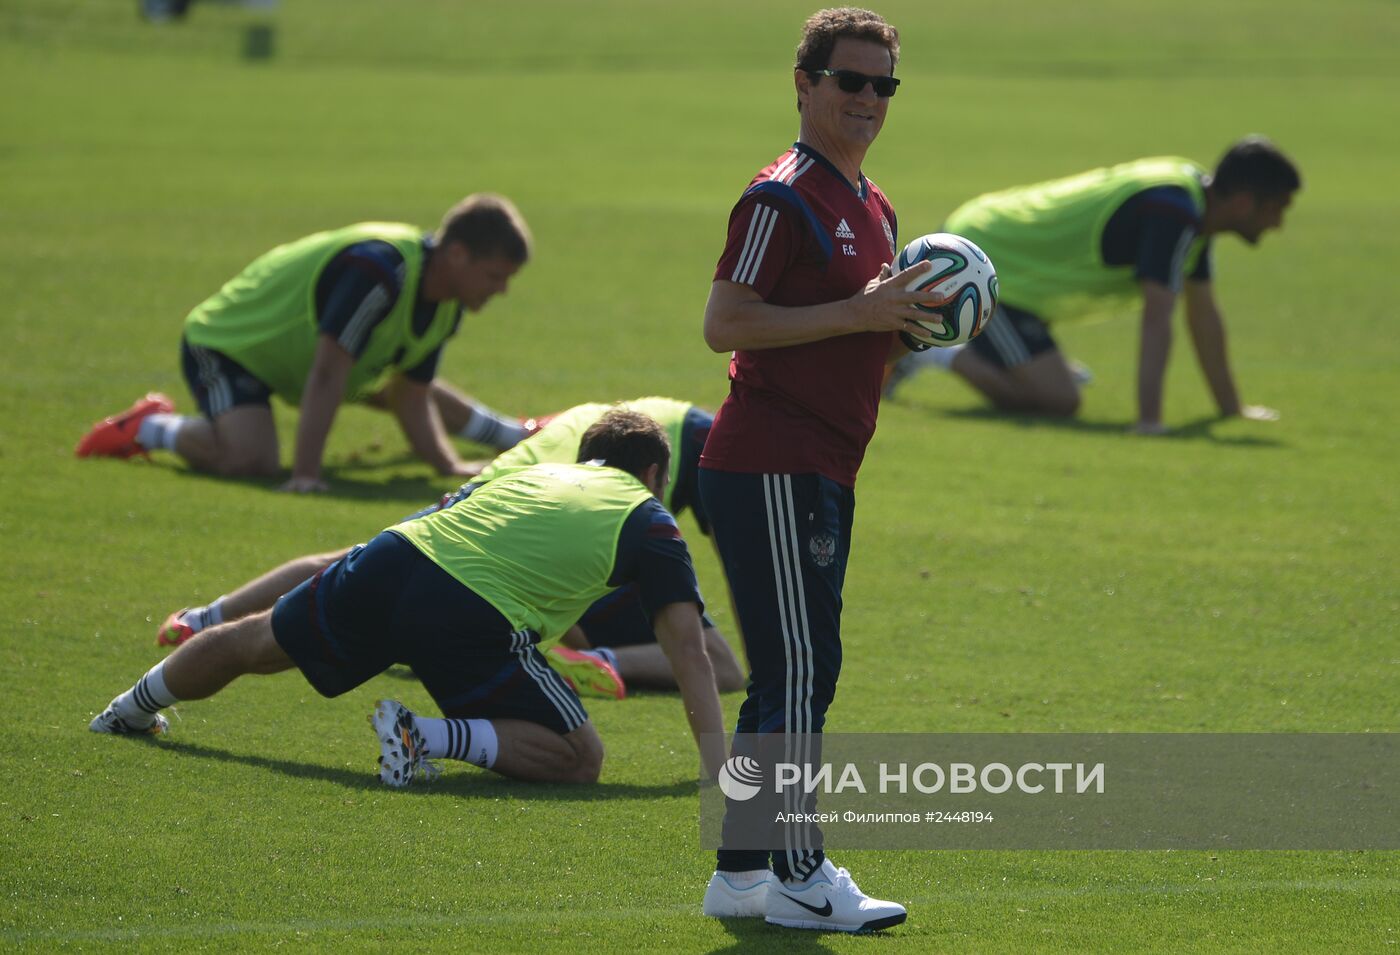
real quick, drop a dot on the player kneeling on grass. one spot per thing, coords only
(612, 646)
(1077, 248)
(465, 596)
(325, 318)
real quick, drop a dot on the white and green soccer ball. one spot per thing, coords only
(964, 275)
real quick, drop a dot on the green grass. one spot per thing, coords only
(1007, 576)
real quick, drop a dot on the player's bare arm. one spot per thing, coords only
(737, 317)
(1207, 326)
(320, 400)
(678, 631)
(412, 404)
(1154, 349)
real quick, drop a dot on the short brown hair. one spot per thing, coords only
(1256, 166)
(628, 440)
(825, 27)
(489, 226)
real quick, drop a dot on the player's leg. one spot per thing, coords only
(504, 708)
(206, 664)
(330, 626)
(1017, 365)
(737, 508)
(518, 749)
(198, 669)
(237, 436)
(783, 540)
(784, 549)
(464, 416)
(241, 442)
(534, 753)
(811, 892)
(258, 594)
(1042, 385)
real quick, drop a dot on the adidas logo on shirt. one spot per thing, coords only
(843, 231)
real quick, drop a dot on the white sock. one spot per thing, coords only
(603, 653)
(489, 428)
(158, 432)
(746, 880)
(139, 705)
(938, 357)
(214, 613)
(202, 618)
(472, 741)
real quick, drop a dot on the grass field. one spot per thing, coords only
(1008, 575)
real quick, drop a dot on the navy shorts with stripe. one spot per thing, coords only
(218, 383)
(784, 540)
(1013, 337)
(384, 603)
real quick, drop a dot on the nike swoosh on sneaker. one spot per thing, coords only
(824, 911)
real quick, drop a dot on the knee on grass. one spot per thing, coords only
(586, 764)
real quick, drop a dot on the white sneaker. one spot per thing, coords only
(724, 901)
(109, 722)
(829, 901)
(400, 745)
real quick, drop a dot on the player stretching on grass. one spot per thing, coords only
(464, 596)
(1138, 232)
(802, 296)
(613, 645)
(325, 318)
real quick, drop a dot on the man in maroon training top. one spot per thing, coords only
(803, 297)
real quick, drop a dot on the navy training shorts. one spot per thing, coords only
(385, 602)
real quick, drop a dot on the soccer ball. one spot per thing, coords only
(960, 270)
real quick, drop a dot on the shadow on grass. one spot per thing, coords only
(756, 935)
(417, 491)
(1201, 429)
(464, 783)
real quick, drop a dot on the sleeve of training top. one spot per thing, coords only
(652, 554)
(1169, 226)
(765, 238)
(356, 290)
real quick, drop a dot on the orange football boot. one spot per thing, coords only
(115, 437)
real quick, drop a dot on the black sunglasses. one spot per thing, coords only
(850, 81)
